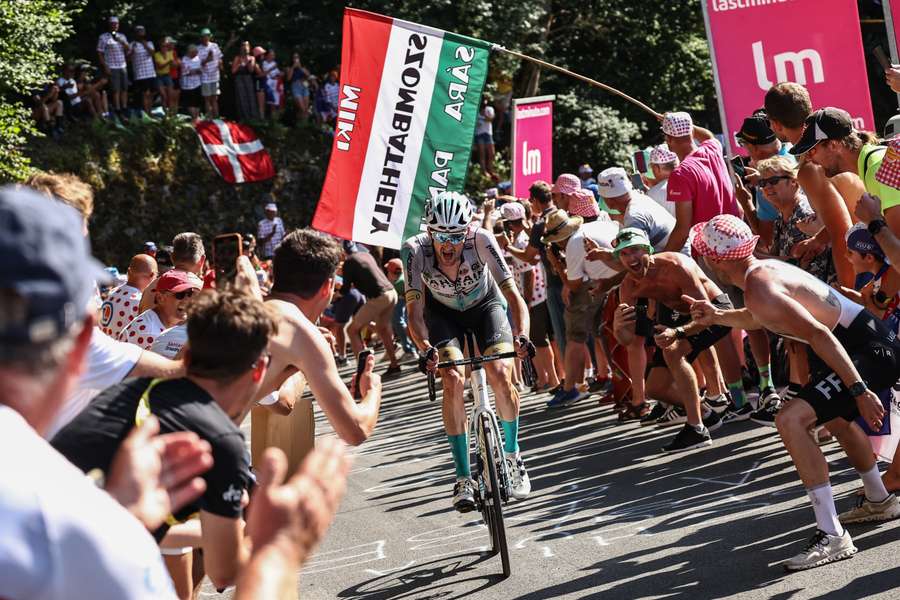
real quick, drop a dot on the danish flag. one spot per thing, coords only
(235, 151)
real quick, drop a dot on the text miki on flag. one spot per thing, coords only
(409, 99)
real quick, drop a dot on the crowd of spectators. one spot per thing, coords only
(158, 76)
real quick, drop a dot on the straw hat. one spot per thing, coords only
(560, 226)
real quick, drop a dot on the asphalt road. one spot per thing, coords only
(610, 516)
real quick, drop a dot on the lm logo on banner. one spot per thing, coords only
(532, 142)
(756, 45)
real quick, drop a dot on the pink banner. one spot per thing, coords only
(758, 43)
(532, 142)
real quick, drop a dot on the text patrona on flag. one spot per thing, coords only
(409, 99)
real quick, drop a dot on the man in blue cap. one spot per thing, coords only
(47, 278)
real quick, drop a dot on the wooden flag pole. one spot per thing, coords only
(593, 82)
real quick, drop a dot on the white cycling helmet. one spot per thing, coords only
(448, 212)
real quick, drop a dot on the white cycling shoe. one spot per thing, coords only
(518, 477)
(464, 495)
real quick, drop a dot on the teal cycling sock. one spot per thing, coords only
(510, 435)
(459, 447)
(765, 377)
(736, 390)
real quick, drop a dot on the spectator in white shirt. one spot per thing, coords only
(211, 63)
(113, 50)
(122, 304)
(174, 291)
(269, 232)
(86, 540)
(662, 162)
(143, 68)
(191, 81)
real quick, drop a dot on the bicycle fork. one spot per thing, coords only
(483, 410)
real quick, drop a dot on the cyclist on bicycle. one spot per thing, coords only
(457, 281)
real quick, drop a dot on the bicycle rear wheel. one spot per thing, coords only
(491, 502)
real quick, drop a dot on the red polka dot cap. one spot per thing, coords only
(724, 237)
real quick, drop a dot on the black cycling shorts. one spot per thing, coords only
(486, 320)
(699, 341)
(874, 351)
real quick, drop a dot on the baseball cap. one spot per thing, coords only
(512, 211)
(150, 246)
(859, 239)
(567, 184)
(395, 264)
(113, 19)
(258, 51)
(178, 281)
(139, 28)
(45, 260)
(585, 168)
(828, 123)
(613, 182)
(205, 31)
(756, 130)
(629, 237)
(661, 155)
(724, 237)
(677, 124)
(271, 206)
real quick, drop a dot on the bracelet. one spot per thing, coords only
(876, 226)
(679, 333)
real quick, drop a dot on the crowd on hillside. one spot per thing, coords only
(167, 77)
(657, 291)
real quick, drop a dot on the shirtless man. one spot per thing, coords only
(666, 277)
(304, 269)
(854, 357)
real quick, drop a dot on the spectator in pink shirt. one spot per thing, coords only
(700, 186)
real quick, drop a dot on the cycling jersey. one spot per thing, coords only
(481, 270)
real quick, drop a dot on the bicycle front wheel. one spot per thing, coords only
(492, 506)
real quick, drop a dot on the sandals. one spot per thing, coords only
(634, 413)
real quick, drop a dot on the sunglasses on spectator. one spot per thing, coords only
(625, 236)
(453, 238)
(182, 295)
(772, 180)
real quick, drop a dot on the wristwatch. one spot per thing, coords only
(858, 389)
(876, 226)
(679, 333)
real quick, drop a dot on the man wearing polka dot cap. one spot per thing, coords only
(173, 294)
(854, 358)
(121, 305)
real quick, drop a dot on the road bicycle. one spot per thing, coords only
(491, 473)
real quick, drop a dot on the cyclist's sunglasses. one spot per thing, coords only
(772, 180)
(182, 295)
(454, 238)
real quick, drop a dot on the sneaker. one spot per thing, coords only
(765, 415)
(566, 398)
(688, 439)
(733, 414)
(718, 403)
(674, 415)
(634, 413)
(602, 386)
(341, 361)
(821, 549)
(391, 371)
(557, 390)
(712, 421)
(464, 495)
(653, 416)
(520, 485)
(768, 394)
(867, 511)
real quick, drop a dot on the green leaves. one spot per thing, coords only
(29, 33)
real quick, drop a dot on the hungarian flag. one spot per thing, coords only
(409, 98)
(235, 151)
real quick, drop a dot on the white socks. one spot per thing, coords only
(822, 500)
(875, 490)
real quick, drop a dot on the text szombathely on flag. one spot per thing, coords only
(409, 98)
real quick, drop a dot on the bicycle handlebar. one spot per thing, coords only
(528, 371)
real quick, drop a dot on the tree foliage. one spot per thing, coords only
(29, 33)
